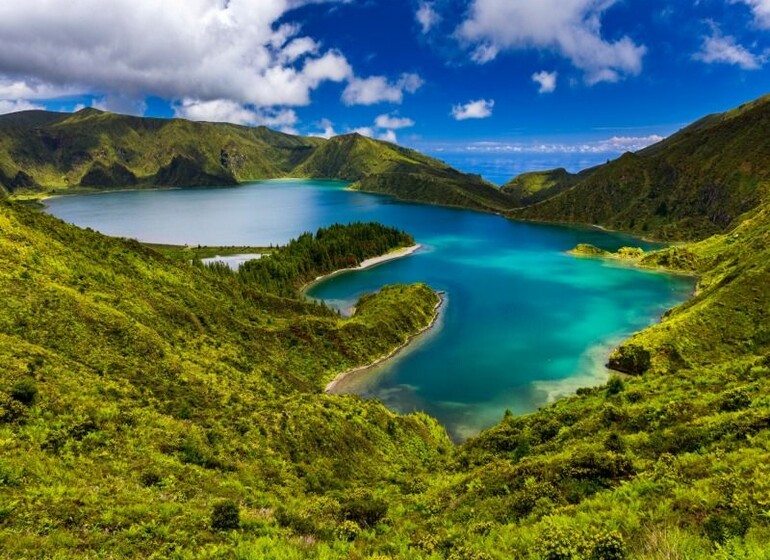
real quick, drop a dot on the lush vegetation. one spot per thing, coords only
(154, 407)
(384, 168)
(42, 151)
(138, 393)
(304, 259)
(697, 183)
(534, 187)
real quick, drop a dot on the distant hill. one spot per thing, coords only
(41, 151)
(385, 168)
(531, 188)
(691, 185)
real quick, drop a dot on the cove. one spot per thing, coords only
(523, 324)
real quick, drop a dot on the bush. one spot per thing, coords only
(24, 391)
(737, 399)
(364, 509)
(608, 546)
(632, 359)
(226, 516)
(615, 385)
(348, 531)
(721, 527)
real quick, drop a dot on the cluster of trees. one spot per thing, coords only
(309, 256)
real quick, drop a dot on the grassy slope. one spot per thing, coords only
(58, 150)
(94, 149)
(694, 184)
(669, 464)
(384, 168)
(164, 387)
(531, 188)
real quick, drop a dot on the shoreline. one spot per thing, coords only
(368, 263)
(437, 311)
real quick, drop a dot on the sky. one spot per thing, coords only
(491, 86)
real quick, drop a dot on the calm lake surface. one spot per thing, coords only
(524, 322)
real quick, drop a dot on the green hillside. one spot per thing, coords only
(384, 168)
(694, 184)
(41, 151)
(157, 408)
(534, 187)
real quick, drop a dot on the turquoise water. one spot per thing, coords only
(524, 323)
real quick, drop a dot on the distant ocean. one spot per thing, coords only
(501, 168)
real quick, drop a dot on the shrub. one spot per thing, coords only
(226, 516)
(348, 531)
(608, 546)
(364, 509)
(24, 391)
(737, 399)
(721, 527)
(615, 385)
(632, 359)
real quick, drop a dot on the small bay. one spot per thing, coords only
(523, 324)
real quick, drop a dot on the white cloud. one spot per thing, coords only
(23, 89)
(571, 28)
(614, 145)
(393, 122)
(427, 16)
(377, 89)
(547, 81)
(13, 106)
(223, 110)
(480, 109)
(327, 129)
(760, 9)
(367, 131)
(206, 50)
(724, 49)
(389, 136)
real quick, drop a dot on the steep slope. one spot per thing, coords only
(534, 187)
(694, 184)
(137, 393)
(385, 168)
(61, 150)
(40, 151)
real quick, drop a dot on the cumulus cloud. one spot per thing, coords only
(427, 16)
(760, 9)
(393, 122)
(571, 28)
(13, 106)
(327, 130)
(614, 145)
(224, 110)
(389, 136)
(546, 80)
(367, 131)
(377, 89)
(480, 109)
(205, 55)
(724, 49)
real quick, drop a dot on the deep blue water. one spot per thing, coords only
(524, 322)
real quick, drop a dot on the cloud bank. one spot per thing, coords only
(214, 59)
(616, 144)
(571, 28)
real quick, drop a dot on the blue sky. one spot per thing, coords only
(530, 82)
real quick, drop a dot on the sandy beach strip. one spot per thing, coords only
(368, 263)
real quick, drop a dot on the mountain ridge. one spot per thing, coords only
(97, 149)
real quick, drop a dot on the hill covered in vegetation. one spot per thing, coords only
(43, 151)
(696, 183)
(158, 408)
